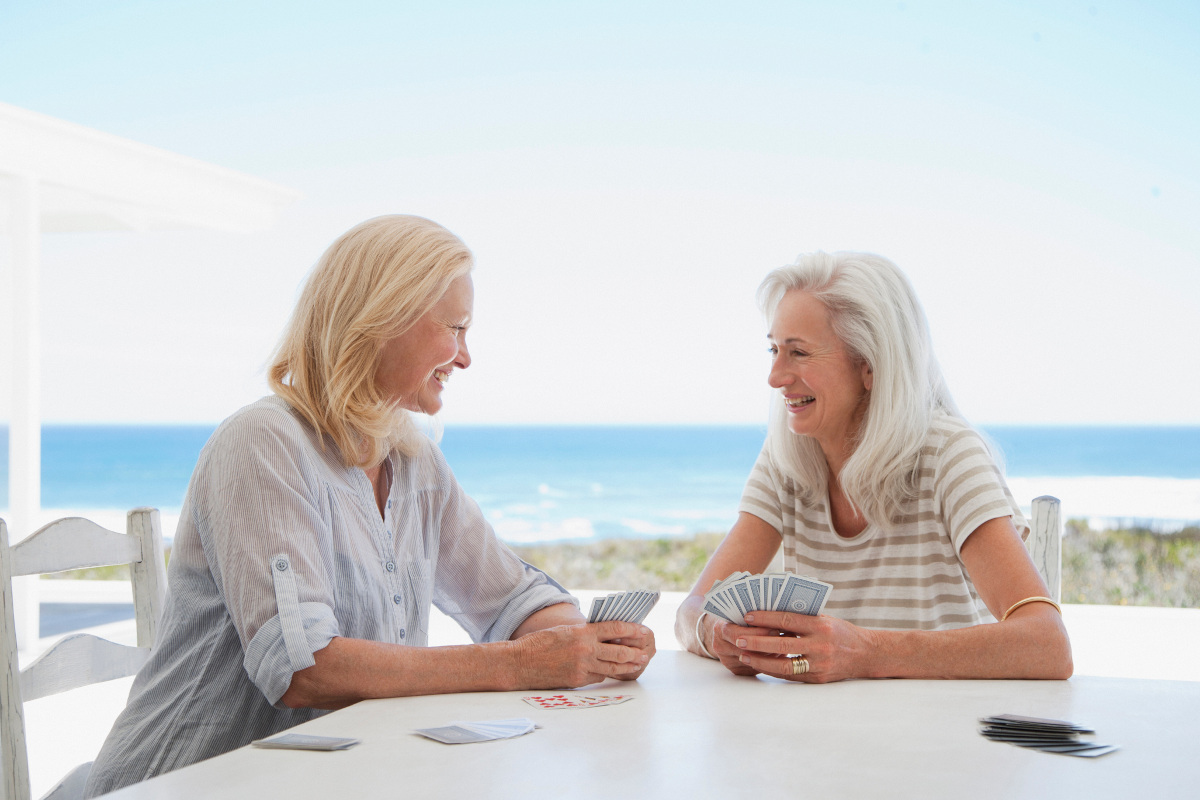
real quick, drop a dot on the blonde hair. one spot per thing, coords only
(372, 284)
(875, 313)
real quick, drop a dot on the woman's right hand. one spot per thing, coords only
(570, 656)
(724, 634)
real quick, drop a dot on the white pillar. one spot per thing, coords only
(25, 423)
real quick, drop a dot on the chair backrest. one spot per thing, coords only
(81, 659)
(1045, 542)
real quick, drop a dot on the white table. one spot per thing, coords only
(693, 730)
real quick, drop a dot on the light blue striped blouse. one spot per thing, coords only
(279, 549)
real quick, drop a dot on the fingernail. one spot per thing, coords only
(749, 618)
(740, 642)
(742, 658)
(643, 658)
(645, 631)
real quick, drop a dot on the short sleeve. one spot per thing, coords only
(970, 488)
(762, 495)
(263, 521)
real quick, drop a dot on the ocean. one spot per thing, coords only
(539, 484)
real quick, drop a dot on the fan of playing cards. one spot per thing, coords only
(742, 592)
(623, 606)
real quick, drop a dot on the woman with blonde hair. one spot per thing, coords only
(871, 481)
(319, 527)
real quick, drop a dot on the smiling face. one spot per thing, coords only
(414, 366)
(824, 389)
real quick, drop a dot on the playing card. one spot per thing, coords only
(753, 585)
(623, 606)
(606, 606)
(625, 602)
(803, 596)
(775, 581)
(1047, 735)
(471, 732)
(302, 741)
(1028, 723)
(597, 604)
(557, 701)
(717, 609)
(735, 596)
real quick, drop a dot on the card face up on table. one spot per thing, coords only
(555, 701)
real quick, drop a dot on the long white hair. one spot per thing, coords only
(875, 313)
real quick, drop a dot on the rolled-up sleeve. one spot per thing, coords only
(266, 537)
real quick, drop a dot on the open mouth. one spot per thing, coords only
(441, 376)
(795, 403)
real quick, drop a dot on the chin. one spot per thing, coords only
(798, 430)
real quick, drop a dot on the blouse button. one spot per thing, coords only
(390, 566)
(397, 599)
(281, 565)
(402, 633)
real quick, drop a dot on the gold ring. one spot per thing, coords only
(799, 665)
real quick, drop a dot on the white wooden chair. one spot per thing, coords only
(1045, 542)
(81, 659)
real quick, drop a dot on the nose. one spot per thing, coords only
(778, 377)
(463, 359)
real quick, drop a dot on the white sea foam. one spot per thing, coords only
(651, 529)
(692, 514)
(520, 531)
(1160, 503)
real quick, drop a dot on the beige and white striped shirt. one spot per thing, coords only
(908, 575)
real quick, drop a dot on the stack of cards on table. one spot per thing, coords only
(1047, 735)
(623, 606)
(304, 741)
(553, 701)
(742, 592)
(469, 732)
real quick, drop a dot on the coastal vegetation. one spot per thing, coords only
(1127, 566)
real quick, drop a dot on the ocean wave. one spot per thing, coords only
(520, 531)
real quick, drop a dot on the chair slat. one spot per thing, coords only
(14, 768)
(1045, 542)
(79, 660)
(73, 543)
(148, 575)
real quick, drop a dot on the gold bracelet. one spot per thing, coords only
(1020, 603)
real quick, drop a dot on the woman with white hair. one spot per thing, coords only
(320, 525)
(871, 480)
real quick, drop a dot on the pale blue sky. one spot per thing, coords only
(626, 176)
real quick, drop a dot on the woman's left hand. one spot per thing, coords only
(834, 649)
(644, 643)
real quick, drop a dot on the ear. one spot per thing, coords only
(868, 377)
